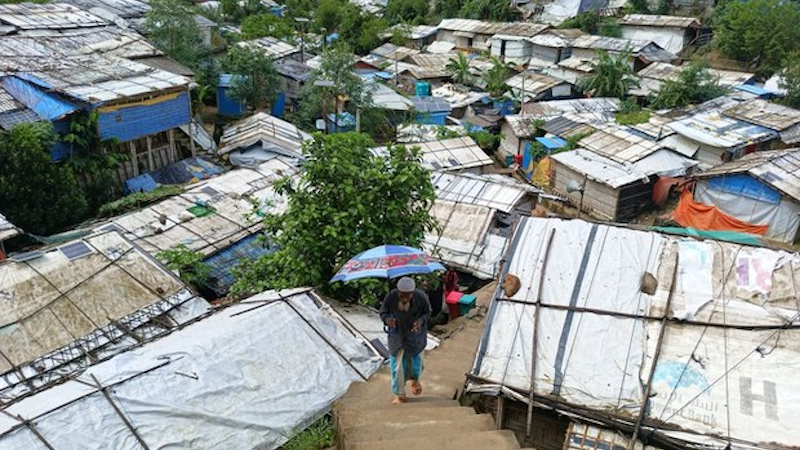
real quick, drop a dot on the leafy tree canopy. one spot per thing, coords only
(791, 81)
(458, 68)
(590, 22)
(612, 76)
(407, 11)
(495, 78)
(493, 10)
(39, 196)
(695, 84)
(760, 33)
(262, 25)
(255, 79)
(346, 201)
(173, 30)
(448, 8)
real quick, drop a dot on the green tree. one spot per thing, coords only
(791, 81)
(586, 21)
(328, 15)
(492, 10)
(407, 11)
(336, 66)
(496, 77)
(760, 33)
(459, 69)
(263, 25)
(255, 79)
(448, 8)
(609, 26)
(611, 76)
(361, 31)
(173, 30)
(695, 84)
(188, 263)
(346, 201)
(38, 195)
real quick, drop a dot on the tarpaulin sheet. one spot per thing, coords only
(542, 173)
(246, 377)
(782, 218)
(746, 186)
(691, 214)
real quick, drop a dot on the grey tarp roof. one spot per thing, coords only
(777, 168)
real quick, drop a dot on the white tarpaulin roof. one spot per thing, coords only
(7, 229)
(465, 241)
(94, 296)
(501, 193)
(245, 377)
(725, 369)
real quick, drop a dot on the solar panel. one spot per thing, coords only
(75, 250)
(210, 191)
(26, 256)
(112, 227)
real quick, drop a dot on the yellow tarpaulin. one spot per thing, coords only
(541, 175)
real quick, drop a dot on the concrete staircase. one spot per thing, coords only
(367, 420)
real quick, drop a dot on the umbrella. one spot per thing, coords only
(387, 261)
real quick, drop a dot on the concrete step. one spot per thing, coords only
(372, 404)
(400, 414)
(387, 431)
(485, 440)
(433, 384)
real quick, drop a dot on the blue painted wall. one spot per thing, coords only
(137, 121)
(432, 118)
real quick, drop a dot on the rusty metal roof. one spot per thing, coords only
(648, 20)
(769, 115)
(491, 28)
(619, 144)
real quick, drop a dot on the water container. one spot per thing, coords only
(423, 89)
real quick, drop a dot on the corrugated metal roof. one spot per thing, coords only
(577, 106)
(415, 132)
(7, 102)
(440, 47)
(666, 71)
(166, 64)
(599, 168)
(394, 52)
(608, 43)
(449, 154)
(647, 20)
(791, 135)
(713, 129)
(761, 112)
(10, 119)
(387, 98)
(578, 64)
(458, 96)
(275, 48)
(533, 83)
(261, 129)
(122, 8)
(55, 16)
(656, 127)
(293, 69)
(7, 229)
(619, 144)
(481, 190)
(777, 168)
(414, 33)
(492, 28)
(430, 104)
(566, 127)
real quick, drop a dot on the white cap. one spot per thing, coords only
(406, 285)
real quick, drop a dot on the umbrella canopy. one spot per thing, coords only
(387, 261)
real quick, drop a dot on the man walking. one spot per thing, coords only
(405, 312)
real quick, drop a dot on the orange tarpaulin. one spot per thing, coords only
(690, 214)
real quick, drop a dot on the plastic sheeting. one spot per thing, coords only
(780, 219)
(729, 348)
(245, 377)
(691, 214)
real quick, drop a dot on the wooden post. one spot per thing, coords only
(191, 138)
(661, 334)
(535, 349)
(134, 159)
(173, 154)
(500, 412)
(151, 166)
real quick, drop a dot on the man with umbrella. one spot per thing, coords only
(405, 312)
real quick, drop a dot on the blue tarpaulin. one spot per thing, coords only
(221, 263)
(47, 106)
(279, 106)
(341, 123)
(755, 90)
(226, 105)
(142, 183)
(746, 186)
(126, 123)
(552, 143)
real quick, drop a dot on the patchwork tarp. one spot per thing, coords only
(691, 214)
(242, 378)
(724, 370)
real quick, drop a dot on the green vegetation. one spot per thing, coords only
(407, 11)
(630, 113)
(255, 80)
(188, 263)
(611, 76)
(137, 200)
(492, 10)
(695, 84)
(791, 81)
(760, 33)
(172, 29)
(590, 22)
(458, 68)
(319, 436)
(41, 197)
(263, 25)
(495, 78)
(347, 200)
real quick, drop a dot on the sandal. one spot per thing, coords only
(416, 388)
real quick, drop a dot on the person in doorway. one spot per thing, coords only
(405, 312)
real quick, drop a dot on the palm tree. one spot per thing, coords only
(458, 68)
(612, 77)
(495, 78)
